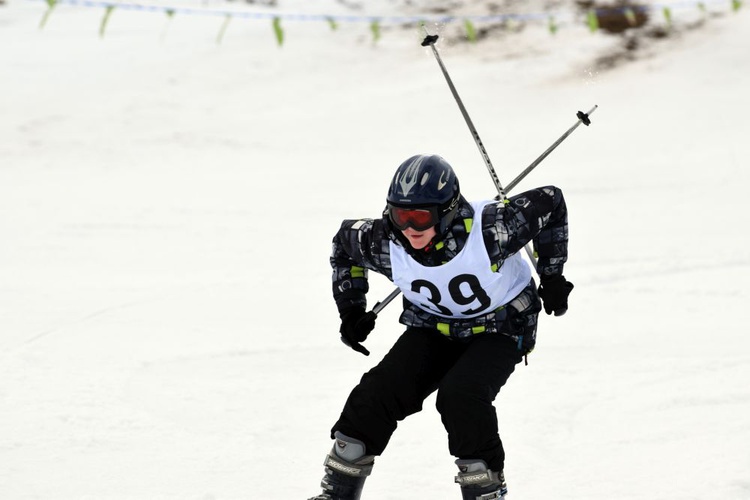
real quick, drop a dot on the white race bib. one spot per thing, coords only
(465, 286)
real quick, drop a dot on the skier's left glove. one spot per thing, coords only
(554, 291)
(356, 325)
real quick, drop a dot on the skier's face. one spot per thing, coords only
(419, 239)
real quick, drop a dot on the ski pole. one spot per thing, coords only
(430, 40)
(582, 118)
(379, 306)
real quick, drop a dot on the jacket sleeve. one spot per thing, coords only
(539, 216)
(358, 246)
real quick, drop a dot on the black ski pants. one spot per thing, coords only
(467, 375)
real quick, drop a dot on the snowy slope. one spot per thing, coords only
(166, 211)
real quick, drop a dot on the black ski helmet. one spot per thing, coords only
(429, 182)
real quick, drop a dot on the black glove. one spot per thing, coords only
(554, 291)
(356, 325)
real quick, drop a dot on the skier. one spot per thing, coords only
(470, 311)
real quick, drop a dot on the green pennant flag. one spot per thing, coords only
(278, 31)
(667, 16)
(50, 5)
(736, 4)
(630, 16)
(107, 13)
(223, 28)
(552, 25)
(593, 21)
(170, 14)
(471, 33)
(375, 29)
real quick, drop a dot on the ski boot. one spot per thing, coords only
(479, 483)
(346, 468)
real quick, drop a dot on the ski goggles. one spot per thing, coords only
(419, 219)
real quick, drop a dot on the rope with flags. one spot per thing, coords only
(553, 20)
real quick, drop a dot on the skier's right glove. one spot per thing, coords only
(356, 325)
(554, 291)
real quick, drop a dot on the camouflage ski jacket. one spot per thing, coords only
(538, 216)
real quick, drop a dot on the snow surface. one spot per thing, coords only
(166, 210)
